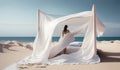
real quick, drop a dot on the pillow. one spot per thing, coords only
(75, 44)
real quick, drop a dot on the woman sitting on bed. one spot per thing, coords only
(65, 31)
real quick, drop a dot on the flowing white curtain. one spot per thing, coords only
(88, 23)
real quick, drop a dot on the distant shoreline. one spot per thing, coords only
(54, 39)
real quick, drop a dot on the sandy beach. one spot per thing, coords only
(59, 35)
(13, 51)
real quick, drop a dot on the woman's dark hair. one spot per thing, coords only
(65, 28)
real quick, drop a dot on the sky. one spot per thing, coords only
(19, 17)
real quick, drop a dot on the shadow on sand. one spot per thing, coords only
(109, 56)
(5, 46)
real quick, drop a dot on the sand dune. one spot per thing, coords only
(13, 51)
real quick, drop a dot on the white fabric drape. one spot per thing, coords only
(86, 54)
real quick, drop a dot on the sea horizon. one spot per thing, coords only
(54, 39)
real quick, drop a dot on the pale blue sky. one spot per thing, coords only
(19, 17)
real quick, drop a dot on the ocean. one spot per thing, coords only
(31, 39)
